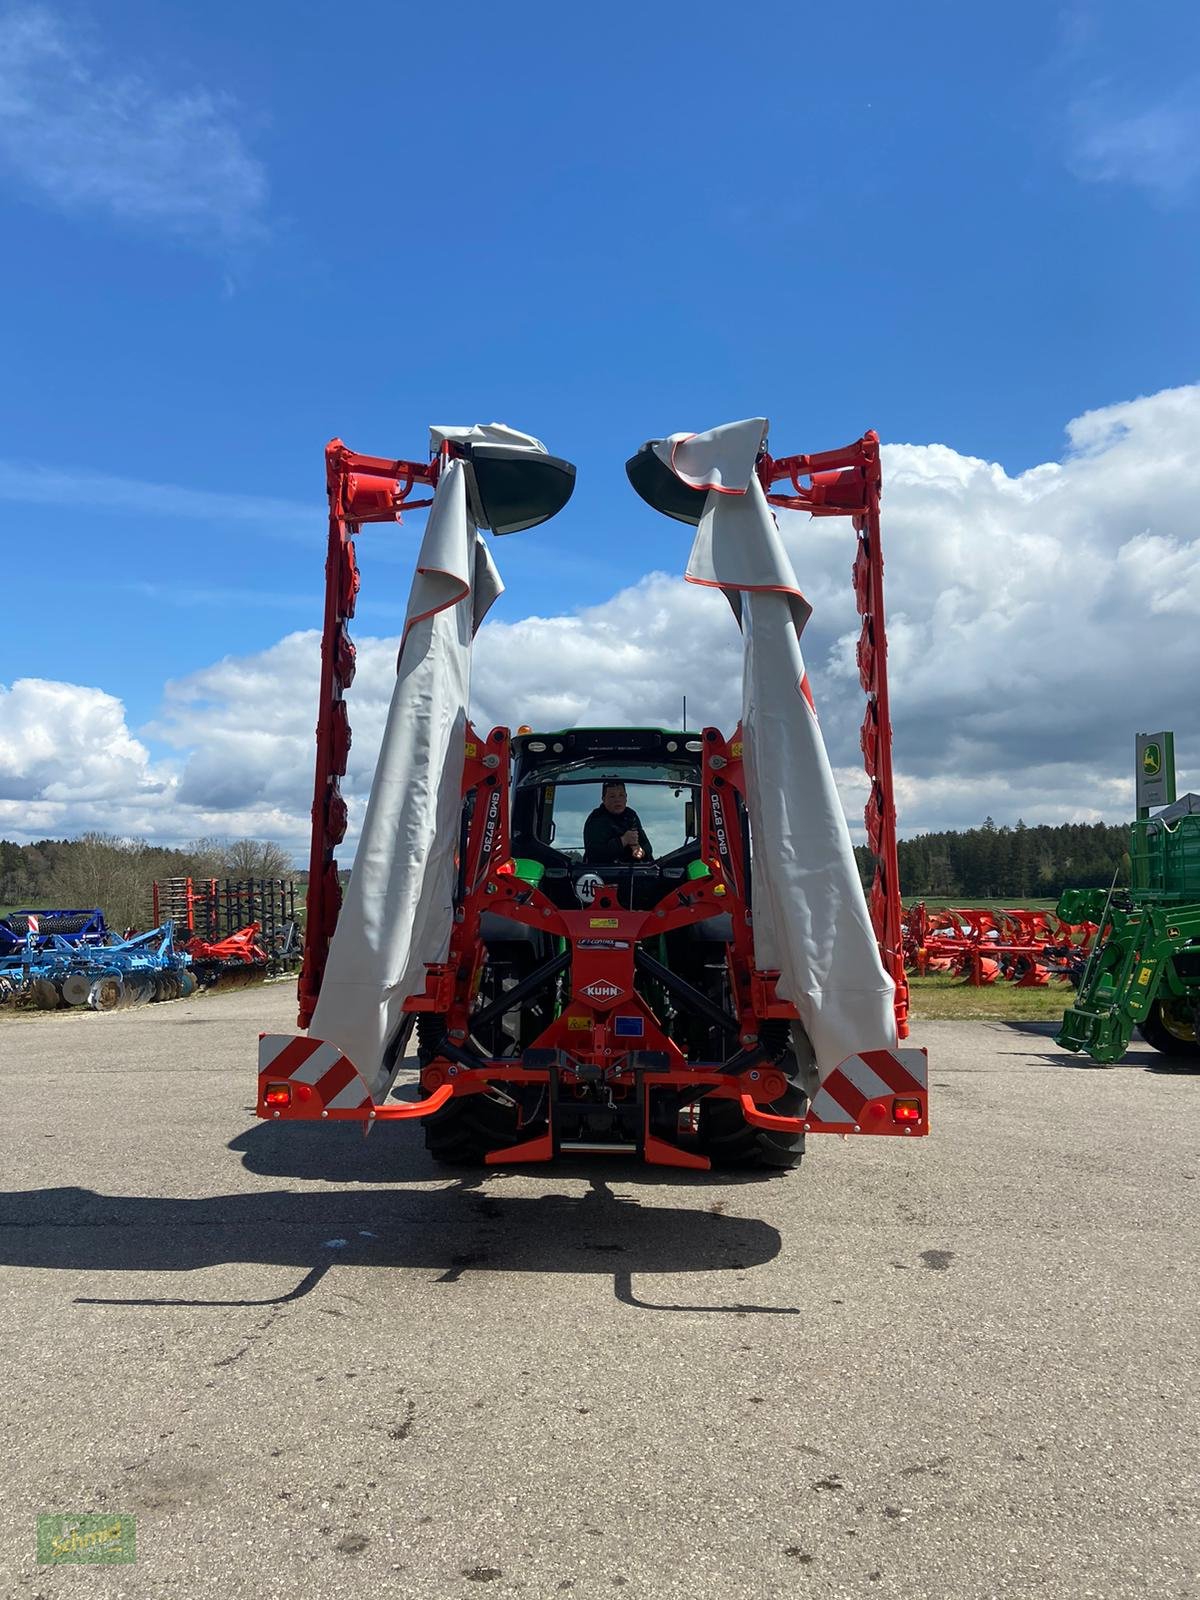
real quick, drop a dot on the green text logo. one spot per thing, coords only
(93, 1537)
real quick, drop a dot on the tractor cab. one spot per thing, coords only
(557, 782)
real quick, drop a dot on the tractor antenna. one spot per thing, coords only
(685, 713)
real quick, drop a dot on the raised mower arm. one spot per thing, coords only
(846, 483)
(361, 489)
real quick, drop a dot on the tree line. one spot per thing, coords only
(98, 869)
(1003, 863)
(987, 863)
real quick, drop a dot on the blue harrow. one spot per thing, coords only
(56, 969)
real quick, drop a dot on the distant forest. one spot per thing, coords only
(117, 874)
(984, 863)
(992, 863)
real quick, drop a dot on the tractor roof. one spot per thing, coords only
(607, 749)
(560, 733)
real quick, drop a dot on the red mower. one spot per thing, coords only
(599, 998)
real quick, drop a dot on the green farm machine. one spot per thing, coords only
(1144, 971)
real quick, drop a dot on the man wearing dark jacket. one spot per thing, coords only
(613, 833)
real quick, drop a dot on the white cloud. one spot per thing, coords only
(1036, 623)
(63, 745)
(84, 135)
(627, 661)
(1155, 147)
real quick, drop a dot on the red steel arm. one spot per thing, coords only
(361, 489)
(842, 483)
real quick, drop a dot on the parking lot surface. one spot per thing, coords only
(314, 1364)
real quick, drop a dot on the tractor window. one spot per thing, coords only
(660, 807)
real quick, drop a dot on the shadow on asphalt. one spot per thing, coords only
(339, 1152)
(1143, 1058)
(468, 1225)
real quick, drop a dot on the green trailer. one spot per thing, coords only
(1144, 971)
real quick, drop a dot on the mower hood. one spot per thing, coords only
(811, 920)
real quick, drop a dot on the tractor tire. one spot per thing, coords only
(1173, 1033)
(728, 1140)
(462, 1133)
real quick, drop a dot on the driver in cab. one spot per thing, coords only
(613, 832)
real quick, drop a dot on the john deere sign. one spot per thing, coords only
(1155, 770)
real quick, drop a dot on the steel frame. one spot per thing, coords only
(361, 489)
(848, 483)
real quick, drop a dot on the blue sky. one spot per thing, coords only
(235, 231)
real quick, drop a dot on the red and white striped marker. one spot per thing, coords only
(334, 1081)
(875, 1075)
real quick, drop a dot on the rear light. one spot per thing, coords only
(506, 869)
(906, 1111)
(278, 1094)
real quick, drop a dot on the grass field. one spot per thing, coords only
(937, 998)
(972, 902)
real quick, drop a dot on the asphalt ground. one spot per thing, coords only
(313, 1364)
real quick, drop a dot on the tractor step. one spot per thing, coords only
(596, 1147)
(1104, 1035)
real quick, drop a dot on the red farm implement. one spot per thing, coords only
(1016, 945)
(236, 930)
(601, 1006)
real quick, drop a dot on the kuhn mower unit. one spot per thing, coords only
(688, 1002)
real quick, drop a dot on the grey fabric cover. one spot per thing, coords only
(397, 912)
(810, 914)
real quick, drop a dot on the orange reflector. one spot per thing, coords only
(906, 1111)
(278, 1094)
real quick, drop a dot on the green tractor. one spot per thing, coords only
(1144, 970)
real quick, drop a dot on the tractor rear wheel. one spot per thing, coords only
(728, 1140)
(1170, 1026)
(462, 1132)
